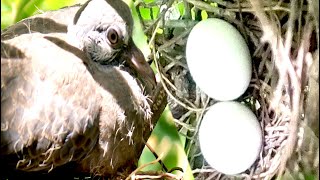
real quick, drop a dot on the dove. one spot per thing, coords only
(81, 93)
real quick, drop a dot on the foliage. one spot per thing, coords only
(13, 11)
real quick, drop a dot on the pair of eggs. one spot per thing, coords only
(220, 64)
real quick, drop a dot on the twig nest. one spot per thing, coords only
(219, 59)
(230, 137)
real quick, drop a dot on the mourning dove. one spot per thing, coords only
(80, 94)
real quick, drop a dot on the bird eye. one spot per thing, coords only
(114, 37)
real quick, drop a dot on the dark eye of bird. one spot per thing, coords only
(113, 36)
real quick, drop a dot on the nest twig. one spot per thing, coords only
(284, 43)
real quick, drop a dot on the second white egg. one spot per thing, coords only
(230, 137)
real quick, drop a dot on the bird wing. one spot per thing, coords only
(49, 102)
(56, 21)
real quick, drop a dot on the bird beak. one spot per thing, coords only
(142, 69)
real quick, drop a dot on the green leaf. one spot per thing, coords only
(181, 9)
(166, 140)
(155, 12)
(6, 14)
(27, 8)
(16, 10)
(139, 37)
(204, 15)
(145, 13)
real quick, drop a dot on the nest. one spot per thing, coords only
(283, 38)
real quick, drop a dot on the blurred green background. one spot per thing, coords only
(13, 11)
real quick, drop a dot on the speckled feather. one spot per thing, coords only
(58, 106)
(52, 108)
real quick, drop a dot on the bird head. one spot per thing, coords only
(103, 30)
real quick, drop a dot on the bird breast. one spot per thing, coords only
(56, 107)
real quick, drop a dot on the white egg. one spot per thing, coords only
(230, 137)
(219, 59)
